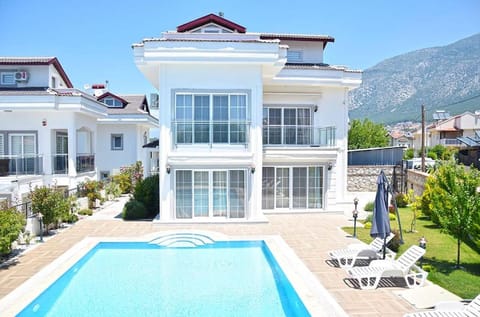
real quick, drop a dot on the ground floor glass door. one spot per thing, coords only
(293, 187)
(210, 193)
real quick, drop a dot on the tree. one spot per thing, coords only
(51, 203)
(456, 201)
(408, 154)
(366, 134)
(11, 224)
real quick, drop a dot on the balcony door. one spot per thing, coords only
(23, 151)
(60, 161)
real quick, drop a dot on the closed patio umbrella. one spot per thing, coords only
(381, 221)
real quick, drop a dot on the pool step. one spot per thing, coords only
(185, 240)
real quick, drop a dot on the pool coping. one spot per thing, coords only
(315, 297)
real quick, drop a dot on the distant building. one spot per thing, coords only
(401, 138)
(447, 131)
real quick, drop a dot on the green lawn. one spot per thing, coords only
(441, 254)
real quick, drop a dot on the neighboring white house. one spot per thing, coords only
(401, 138)
(446, 131)
(249, 122)
(53, 134)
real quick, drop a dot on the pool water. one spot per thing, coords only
(239, 278)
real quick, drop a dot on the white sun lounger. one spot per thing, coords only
(368, 277)
(451, 309)
(346, 257)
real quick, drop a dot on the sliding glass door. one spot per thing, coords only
(210, 193)
(292, 187)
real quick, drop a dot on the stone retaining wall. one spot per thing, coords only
(363, 178)
(416, 181)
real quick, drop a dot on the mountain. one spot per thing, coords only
(442, 78)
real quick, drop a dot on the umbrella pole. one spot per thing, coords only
(384, 247)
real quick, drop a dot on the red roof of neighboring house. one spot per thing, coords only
(211, 18)
(38, 61)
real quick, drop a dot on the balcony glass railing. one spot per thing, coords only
(60, 163)
(11, 165)
(211, 132)
(282, 135)
(85, 163)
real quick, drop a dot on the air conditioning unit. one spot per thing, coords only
(21, 75)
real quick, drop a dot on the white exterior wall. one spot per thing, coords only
(210, 78)
(37, 75)
(109, 160)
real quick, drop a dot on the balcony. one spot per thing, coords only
(85, 163)
(282, 135)
(450, 142)
(13, 165)
(211, 133)
(60, 164)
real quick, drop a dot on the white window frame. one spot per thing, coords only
(211, 122)
(112, 102)
(4, 75)
(211, 214)
(23, 135)
(2, 144)
(113, 137)
(294, 56)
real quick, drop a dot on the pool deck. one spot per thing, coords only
(309, 235)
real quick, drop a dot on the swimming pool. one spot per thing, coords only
(226, 278)
(291, 289)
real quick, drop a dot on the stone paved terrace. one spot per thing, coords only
(309, 235)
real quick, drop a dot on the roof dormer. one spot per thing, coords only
(112, 101)
(211, 23)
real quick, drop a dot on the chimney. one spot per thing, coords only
(99, 89)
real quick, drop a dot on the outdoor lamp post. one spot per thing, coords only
(355, 215)
(40, 219)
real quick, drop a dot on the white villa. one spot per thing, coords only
(249, 123)
(53, 134)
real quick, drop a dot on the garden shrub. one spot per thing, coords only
(369, 217)
(51, 203)
(134, 209)
(11, 225)
(147, 192)
(85, 212)
(129, 177)
(113, 188)
(402, 200)
(124, 182)
(369, 206)
(92, 189)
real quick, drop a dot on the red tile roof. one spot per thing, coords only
(38, 61)
(211, 18)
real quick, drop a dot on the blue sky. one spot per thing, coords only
(92, 38)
